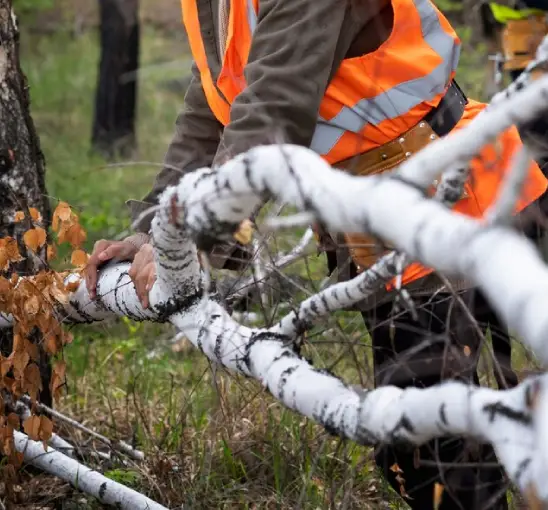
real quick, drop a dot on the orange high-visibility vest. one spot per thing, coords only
(371, 99)
(374, 98)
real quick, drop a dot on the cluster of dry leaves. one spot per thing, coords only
(35, 303)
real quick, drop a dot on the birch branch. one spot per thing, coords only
(107, 491)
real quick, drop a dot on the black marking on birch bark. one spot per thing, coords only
(347, 293)
(325, 302)
(166, 230)
(170, 235)
(498, 408)
(227, 184)
(117, 286)
(285, 354)
(217, 184)
(305, 200)
(284, 376)
(203, 331)
(204, 175)
(443, 416)
(179, 268)
(330, 423)
(121, 303)
(523, 465)
(98, 301)
(314, 307)
(300, 324)
(531, 390)
(102, 490)
(218, 346)
(246, 160)
(86, 317)
(178, 303)
(259, 337)
(403, 424)
(171, 255)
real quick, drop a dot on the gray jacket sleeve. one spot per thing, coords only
(194, 144)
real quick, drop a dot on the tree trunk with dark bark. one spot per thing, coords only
(22, 167)
(116, 96)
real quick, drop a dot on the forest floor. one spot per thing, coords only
(212, 440)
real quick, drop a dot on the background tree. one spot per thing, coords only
(22, 167)
(116, 95)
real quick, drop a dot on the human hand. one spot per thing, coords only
(143, 273)
(103, 251)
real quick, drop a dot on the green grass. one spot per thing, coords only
(212, 440)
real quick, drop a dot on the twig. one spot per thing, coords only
(120, 445)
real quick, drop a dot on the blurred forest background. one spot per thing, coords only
(212, 440)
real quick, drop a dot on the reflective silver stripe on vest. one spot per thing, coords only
(251, 15)
(400, 99)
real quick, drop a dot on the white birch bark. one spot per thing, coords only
(107, 491)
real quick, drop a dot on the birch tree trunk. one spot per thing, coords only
(22, 165)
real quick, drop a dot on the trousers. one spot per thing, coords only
(442, 344)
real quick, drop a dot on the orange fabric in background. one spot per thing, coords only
(486, 175)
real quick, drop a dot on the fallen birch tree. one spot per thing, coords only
(211, 204)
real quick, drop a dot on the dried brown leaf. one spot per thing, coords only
(31, 426)
(72, 286)
(35, 214)
(244, 233)
(20, 360)
(52, 344)
(34, 238)
(58, 378)
(438, 495)
(79, 258)
(5, 366)
(62, 213)
(32, 305)
(13, 421)
(32, 380)
(32, 349)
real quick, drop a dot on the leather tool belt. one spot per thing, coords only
(437, 123)
(520, 40)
